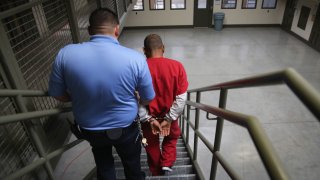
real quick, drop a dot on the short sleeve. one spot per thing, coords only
(57, 85)
(183, 81)
(145, 87)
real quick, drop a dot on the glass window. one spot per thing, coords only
(156, 4)
(178, 4)
(249, 4)
(202, 4)
(229, 4)
(139, 6)
(269, 4)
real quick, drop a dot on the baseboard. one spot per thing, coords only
(250, 25)
(158, 27)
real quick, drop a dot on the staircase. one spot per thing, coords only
(182, 168)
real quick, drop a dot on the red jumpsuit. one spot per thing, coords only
(169, 80)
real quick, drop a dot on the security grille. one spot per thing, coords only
(128, 3)
(16, 148)
(111, 4)
(84, 9)
(36, 35)
(8, 4)
(121, 7)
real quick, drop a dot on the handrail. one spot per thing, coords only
(31, 115)
(265, 149)
(305, 92)
(24, 93)
(302, 89)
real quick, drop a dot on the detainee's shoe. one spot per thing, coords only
(166, 170)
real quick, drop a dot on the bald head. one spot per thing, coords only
(153, 46)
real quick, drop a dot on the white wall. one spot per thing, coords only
(252, 16)
(169, 17)
(313, 4)
(165, 17)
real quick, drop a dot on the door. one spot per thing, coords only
(289, 14)
(203, 13)
(315, 33)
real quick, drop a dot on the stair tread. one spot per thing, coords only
(179, 161)
(174, 177)
(177, 170)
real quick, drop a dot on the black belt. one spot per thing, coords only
(112, 133)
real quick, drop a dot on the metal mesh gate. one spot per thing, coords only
(36, 34)
(109, 4)
(16, 147)
(35, 30)
(83, 10)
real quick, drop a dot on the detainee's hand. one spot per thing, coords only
(165, 125)
(155, 126)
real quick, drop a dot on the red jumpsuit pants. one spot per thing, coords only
(157, 158)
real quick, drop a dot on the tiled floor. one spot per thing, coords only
(212, 57)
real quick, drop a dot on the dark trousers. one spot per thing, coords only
(127, 146)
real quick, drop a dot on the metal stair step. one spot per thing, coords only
(143, 150)
(179, 161)
(177, 170)
(174, 177)
(144, 155)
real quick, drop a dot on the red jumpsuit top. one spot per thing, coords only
(169, 80)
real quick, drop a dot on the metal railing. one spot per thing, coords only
(304, 91)
(44, 158)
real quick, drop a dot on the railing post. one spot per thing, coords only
(197, 115)
(218, 136)
(73, 21)
(188, 119)
(181, 121)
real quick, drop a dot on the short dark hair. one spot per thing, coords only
(103, 16)
(152, 42)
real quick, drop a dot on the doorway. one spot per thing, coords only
(315, 33)
(203, 10)
(289, 14)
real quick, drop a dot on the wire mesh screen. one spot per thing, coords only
(36, 35)
(110, 4)
(83, 10)
(121, 7)
(8, 4)
(16, 148)
(128, 3)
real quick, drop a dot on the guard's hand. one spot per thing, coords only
(155, 126)
(137, 95)
(165, 125)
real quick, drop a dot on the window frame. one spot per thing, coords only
(255, 7)
(139, 9)
(164, 6)
(185, 6)
(275, 5)
(229, 8)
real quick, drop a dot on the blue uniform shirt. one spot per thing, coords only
(101, 76)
